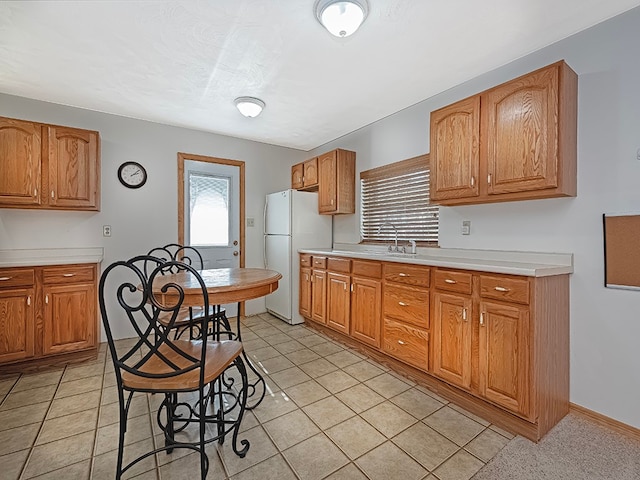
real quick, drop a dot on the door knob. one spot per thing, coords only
(235, 242)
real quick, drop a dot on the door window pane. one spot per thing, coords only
(208, 209)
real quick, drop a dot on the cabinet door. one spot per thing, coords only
(452, 338)
(338, 301)
(16, 324)
(365, 310)
(455, 155)
(319, 296)
(328, 182)
(296, 176)
(69, 318)
(504, 348)
(310, 173)
(304, 303)
(20, 155)
(520, 128)
(74, 165)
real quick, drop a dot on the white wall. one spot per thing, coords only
(605, 323)
(145, 218)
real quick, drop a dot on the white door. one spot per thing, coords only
(212, 214)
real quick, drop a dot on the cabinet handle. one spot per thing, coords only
(53, 195)
(402, 304)
(448, 280)
(29, 300)
(482, 318)
(501, 289)
(404, 275)
(352, 287)
(401, 342)
(68, 274)
(344, 287)
(35, 192)
(473, 180)
(306, 278)
(489, 179)
(464, 314)
(3, 279)
(46, 299)
(331, 201)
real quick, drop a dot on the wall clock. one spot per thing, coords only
(132, 175)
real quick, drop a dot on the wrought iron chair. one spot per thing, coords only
(189, 317)
(157, 363)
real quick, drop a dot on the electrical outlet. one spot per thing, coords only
(251, 221)
(106, 230)
(466, 227)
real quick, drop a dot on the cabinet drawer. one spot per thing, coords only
(319, 262)
(453, 281)
(68, 274)
(407, 304)
(367, 269)
(342, 265)
(16, 277)
(305, 260)
(409, 344)
(508, 289)
(407, 274)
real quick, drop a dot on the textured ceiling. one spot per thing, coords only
(182, 62)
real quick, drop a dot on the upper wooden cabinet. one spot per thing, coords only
(517, 141)
(48, 166)
(304, 176)
(336, 182)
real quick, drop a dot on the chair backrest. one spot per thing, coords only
(130, 289)
(185, 254)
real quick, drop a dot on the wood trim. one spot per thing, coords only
(50, 362)
(392, 169)
(223, 161)
(605, 421)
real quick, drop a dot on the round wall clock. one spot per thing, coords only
(132, 175)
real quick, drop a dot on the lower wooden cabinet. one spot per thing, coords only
(47, 311)
(338, 301)
(365, 310)
(304, 303)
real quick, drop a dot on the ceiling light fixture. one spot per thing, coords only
(341, 17)
(249, 106)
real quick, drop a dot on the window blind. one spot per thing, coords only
(398, 195)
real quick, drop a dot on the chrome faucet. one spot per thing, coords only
(395, 230)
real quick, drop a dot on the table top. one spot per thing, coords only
(224, 285)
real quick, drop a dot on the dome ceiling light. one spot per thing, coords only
(341, 17)
(249, 106)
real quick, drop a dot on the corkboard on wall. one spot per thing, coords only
(622, 251)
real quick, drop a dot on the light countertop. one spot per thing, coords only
(531, 264)
(50, 256)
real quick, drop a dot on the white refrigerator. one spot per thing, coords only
(291, 223)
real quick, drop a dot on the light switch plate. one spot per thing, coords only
(250, 221)
(466, 227)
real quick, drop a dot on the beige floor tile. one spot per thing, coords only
(486, 445)
(138, 428)
(265, 331)
(502, 432)
(319, 367)
(302, 356)
(290, 377)
(416, 403)
(12, 464)
(288, 347)
(337, 381)
(163, 457)
(326, 348)
(110, 395)
(360, 398)
(311, 340)
(289, 429)
(387, 461)
(260, 354)
(472, 416)
(315, 458)
(299, 331)
(273, 406)
(188, 467)
(17, 417)
(28, 397)
(461, 466)
(36, 380)
(308, 392)
(249, 420)
(425, 445)
(343, 358)
(275, 364)
(355, 437)
(388, 418)
(76, 387)
(16, 439)
(110, 413)
(104, 465)
(77, 471)
(363, 370)
(328, 412)
(7, 383)
(348, 472)
(61, 453)
(253, 345)
(434, 395)
(260, 449)
(458, 428)
(275, 468)
(78, 372)
(387, 385)
(67, 426)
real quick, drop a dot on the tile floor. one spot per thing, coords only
(330, 413)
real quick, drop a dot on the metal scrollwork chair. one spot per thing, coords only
(189, 318)
(158, 363)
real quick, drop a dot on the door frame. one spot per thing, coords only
(182, 157)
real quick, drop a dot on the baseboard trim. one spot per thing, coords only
(605, 421)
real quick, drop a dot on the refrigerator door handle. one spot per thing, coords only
(264, 215)
(264, 250)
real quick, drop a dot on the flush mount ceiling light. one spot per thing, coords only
(341, 17)
(249, 106)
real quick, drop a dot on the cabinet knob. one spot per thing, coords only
(473, 180)
(501, 289)
(448, 280)
(482, 318)
(29, 300)
(68, 274)
(489, 179)
(46, 299)
(401, 342)
(402, 304)
(53, 195)
(464, 314)
(403, 275)
(4, 279)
